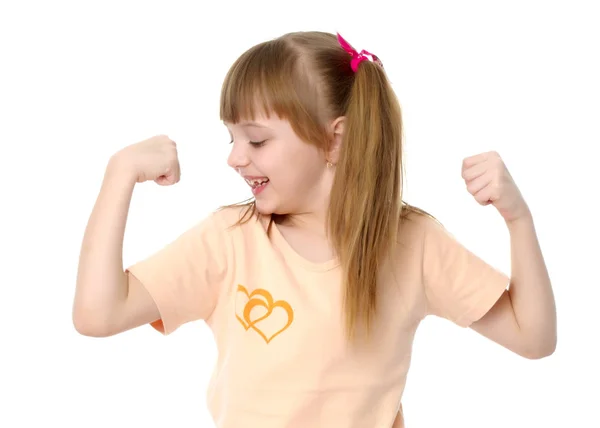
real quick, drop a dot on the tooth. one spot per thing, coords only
(256, 182)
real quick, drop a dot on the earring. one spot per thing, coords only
(329, 164)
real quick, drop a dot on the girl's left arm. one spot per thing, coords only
(524, 318)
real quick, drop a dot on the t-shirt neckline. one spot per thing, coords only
(291, 254)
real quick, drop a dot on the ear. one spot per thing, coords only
(337, 132)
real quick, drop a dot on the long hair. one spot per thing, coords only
(306, 78)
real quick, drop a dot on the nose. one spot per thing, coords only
(238, 158)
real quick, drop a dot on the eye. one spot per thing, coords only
(253, 143)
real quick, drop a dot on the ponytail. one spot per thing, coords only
(306, 78)
(366, 198)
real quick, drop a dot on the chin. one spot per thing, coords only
(266, 207)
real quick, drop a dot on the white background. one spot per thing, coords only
(81, 80)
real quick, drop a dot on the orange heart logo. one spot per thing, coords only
(270, 325)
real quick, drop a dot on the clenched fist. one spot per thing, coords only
(152, 159)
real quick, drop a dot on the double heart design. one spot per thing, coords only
(262, 298)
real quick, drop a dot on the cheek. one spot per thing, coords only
(292, 166)
(300, 172)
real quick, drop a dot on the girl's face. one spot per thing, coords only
(286, 174)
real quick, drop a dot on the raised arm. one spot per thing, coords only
(108, 300)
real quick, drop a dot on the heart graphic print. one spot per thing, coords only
(259, 312)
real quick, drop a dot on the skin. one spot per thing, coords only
(523, 320)
(108, 302)
(299, 179)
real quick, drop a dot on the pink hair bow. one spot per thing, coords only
(357, 57)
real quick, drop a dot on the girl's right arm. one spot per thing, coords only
(108, 300)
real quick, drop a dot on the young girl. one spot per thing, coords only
(315, 288)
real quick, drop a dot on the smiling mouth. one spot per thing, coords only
(258, 182)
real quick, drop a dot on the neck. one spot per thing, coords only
(312, 220)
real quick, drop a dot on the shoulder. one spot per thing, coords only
(416, 224)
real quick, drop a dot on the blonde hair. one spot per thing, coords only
(306, 78)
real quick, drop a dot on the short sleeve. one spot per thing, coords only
(459, 285)
(184, 277)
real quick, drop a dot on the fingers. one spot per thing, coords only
(477, 184)
(172, 176)
(479, 158)
(474, 171)
(173, 173)
(484, 196)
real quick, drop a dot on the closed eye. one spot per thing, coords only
(257, 143)
(253, 143)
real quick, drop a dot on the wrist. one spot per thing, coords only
(524, 220)
(120, 170)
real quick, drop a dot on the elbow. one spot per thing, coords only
(538, 355)
(87, 329)
(542, 350)
(87, 325)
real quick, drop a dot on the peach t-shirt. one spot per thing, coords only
(283, 358)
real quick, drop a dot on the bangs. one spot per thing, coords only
(265, 80)
(256, 84)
